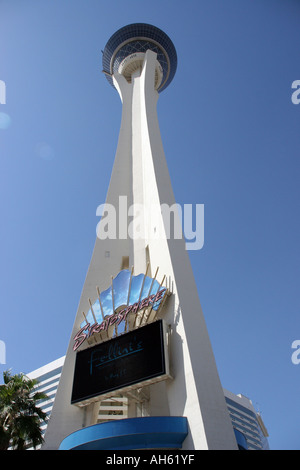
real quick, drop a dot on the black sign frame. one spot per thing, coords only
(122, 363)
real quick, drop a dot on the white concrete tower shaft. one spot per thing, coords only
(141, 175)
(195, 391)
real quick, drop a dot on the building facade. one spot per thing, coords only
(247, 421)
(48, 377)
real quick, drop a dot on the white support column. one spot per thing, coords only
(106, 261)
(195, 391)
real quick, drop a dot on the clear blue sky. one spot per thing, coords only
(231, 136)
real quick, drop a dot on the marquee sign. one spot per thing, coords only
(125, 362)
(128, 295)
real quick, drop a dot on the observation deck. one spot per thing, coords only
(125, 50)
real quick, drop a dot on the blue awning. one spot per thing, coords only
(153, 432)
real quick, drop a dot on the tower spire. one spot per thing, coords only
(140, 61)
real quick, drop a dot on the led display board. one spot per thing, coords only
(122, 363)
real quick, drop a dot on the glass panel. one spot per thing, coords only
(136, 285)
(106, 301)
(121, 286)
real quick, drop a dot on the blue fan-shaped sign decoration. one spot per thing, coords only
(127, 295)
